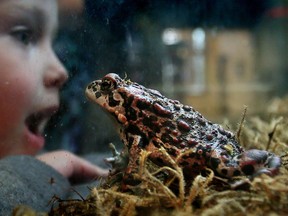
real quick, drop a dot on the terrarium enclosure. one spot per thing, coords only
(217, 56)
(225, 58)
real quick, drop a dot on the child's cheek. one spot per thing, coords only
(16, 97)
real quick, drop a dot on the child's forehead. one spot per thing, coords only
(44, 7)
(27, 3)
(43, 11)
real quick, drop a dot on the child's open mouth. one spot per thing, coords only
(36, 122)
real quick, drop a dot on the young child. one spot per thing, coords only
(30, 79)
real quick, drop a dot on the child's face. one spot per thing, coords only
(30, 73)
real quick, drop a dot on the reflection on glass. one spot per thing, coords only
(198, 39)
(171, 36)
(183, 65)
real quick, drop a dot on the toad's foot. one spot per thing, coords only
(119, 161)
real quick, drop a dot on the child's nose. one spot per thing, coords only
(55, 75)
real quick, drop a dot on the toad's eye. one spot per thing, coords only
(107, 85)
(23, 34)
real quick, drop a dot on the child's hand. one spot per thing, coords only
(71, 166)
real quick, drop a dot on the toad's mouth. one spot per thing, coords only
(36, 122)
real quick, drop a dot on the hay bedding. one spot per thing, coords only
(164, 191)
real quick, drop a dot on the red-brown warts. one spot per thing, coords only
(192, 142)
(199, 151)
(209, 137)
(184, 126)
(159, 109)
(175, 132)
(176, 140)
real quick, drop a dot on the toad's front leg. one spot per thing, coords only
(133, 144)
(248, 163)
(130, 156)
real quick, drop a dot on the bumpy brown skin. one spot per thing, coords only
(148, 120)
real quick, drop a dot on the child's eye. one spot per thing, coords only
(23, 35)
